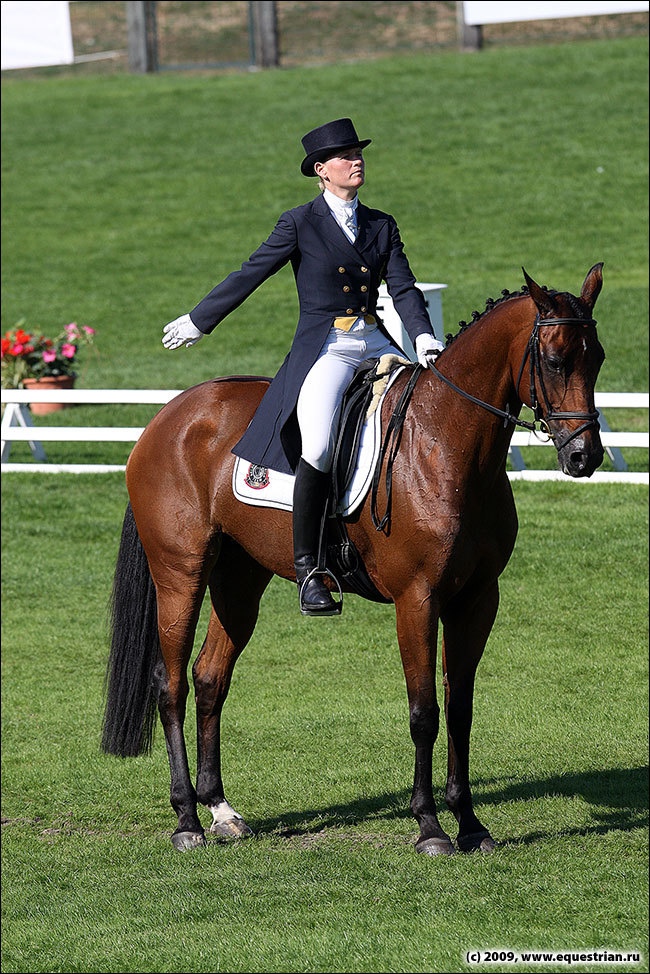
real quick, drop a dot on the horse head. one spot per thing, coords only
(565, 356)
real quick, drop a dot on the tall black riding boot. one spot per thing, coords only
(310, 493)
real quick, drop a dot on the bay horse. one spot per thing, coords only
(452, 530)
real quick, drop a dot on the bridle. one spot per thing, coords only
(533, 357)
(393, 435)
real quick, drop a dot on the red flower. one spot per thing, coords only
(22, 336)
(6, 345)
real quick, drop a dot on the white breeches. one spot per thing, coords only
(320, 397)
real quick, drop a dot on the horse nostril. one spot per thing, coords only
(578, 460)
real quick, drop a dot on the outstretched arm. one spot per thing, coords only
(273, 254)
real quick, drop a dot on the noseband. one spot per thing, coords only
(532, 356)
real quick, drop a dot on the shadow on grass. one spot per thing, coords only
(620, 797)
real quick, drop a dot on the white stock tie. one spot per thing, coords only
(351, 223)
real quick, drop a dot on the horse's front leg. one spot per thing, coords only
(467, 623)
(417, 630)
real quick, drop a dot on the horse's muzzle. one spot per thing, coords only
(582, 455)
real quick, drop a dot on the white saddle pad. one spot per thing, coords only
(261, 487)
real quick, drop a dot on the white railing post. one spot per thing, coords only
(17, 414)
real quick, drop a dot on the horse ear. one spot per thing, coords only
(542, 298)
(592, 285)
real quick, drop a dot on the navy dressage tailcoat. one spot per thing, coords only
(334, 278)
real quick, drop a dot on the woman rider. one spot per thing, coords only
(340, 251)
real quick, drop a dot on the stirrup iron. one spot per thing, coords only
(336, 609)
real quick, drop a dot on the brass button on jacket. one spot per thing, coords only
(346, 288)
(363, 287)
(349, 311)
(364, 270)
(341, 270)
(364, 308)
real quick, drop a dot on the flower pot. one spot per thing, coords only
(48, 382)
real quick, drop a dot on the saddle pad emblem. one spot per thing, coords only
(257, 477)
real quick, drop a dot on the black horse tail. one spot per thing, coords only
(130, 712)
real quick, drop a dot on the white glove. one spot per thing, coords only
(427, 349)
(181, 331)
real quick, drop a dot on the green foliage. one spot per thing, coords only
(125, 200)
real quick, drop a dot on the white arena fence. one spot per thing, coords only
(17, 424)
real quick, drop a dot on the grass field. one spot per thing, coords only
(125, 200)
(317, 755)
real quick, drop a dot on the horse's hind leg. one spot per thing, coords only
(236, 586)
(180, 595)
(467, 625)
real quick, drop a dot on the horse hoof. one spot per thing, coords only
(476, 842)
(185, 841)
(234, 828)
(436, 847)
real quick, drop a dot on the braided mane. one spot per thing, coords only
(507, 295)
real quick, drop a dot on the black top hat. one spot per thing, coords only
(326, 139)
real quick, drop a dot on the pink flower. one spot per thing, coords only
(17, 350)
(68, 351)
(89, 331)
(71, 327)
(49, 356)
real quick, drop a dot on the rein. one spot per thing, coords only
(532, 355)
(393, 436)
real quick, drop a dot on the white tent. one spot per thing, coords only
(488, 12)
(36, 33)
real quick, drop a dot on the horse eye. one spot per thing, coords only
(554, 362)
